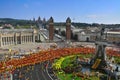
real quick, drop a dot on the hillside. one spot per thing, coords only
(15, 22)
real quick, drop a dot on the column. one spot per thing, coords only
(8, 40)
(25, 39)
(5, 40)
(13, 42)
(28, 38)
(33, 37)
(39, 37)
(15, 38)
(1, 43)
(20, 37)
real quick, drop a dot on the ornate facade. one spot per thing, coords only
(18, 36)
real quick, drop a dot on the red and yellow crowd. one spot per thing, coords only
(41, 56)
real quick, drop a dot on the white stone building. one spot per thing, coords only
(18, 36)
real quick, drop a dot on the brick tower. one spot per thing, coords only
(68, 29)
(51, 29)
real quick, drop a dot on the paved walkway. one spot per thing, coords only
(28, 47)
(22, 49)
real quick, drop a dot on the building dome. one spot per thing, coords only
(83, 33)
(34, 31)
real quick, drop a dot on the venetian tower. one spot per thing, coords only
(68, 29)
(51, 29)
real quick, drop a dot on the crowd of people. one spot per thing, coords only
(45, 55)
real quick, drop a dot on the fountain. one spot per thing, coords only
(98, 67)
(99, 62)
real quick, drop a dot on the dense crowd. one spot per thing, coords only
(50, 54)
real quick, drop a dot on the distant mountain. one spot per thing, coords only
(8, 19)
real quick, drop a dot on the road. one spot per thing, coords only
(46, 33)
(36, 72)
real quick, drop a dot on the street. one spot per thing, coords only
(33, 72)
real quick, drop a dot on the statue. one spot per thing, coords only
(101, 35)
(99, 59)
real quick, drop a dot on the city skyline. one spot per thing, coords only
(87, 11)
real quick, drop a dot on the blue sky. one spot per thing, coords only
(88, 11)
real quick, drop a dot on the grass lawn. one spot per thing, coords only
(68, 62)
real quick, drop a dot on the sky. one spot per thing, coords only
(87, 11)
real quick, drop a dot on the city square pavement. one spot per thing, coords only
(33, 47)
(25, 47)
(22, 49)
